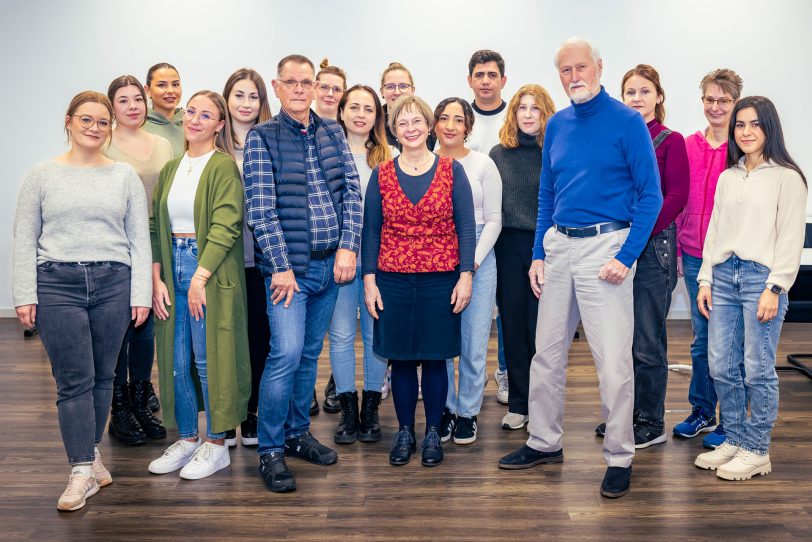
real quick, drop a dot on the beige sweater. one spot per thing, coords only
(758, 216)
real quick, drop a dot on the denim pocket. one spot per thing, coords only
(664, 251)
(760, 268)
(116, 266)
(48, 266)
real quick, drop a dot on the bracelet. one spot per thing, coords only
(202, 277)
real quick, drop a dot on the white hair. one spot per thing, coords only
(577, 41)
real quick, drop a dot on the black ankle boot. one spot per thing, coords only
(331, 403)
(149, 423)
(347, 428)
(124, 427)
(152, 399)
(314, 404)
(370, 430)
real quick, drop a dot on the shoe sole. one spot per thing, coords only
(82, 503)
(250, 441)
(659, 440)
(282, 489)
(445, 438)
(763, 470)
(544, 460)
(464, 441)
(431, 464)
(345, 439)
(399, 463)
(617, 495)
(314, 461)
(205, 474)
(331, 410)
(376, 437)
(231, 442)
(124, 440)
(508, 427)
(709, 466)
(708, 429)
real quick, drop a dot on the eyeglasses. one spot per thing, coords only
(403, 87)
(291, 84)
(87, 122)
(338, 91)
(204, 116)
(722, 102)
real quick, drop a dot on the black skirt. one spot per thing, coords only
(417, 322)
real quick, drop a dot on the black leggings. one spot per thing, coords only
(434, 381)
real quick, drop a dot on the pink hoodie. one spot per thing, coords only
(705, 164)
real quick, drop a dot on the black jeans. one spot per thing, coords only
(82, 314)
(137, 353)
(259, 333)
(654, 281)
(518, 308)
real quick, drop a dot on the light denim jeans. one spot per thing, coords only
(297, 336)
(465, 399)
(736, 337)
(349, 305)
(190, 337)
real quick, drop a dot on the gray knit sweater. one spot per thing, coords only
(520, 169)
(81, 214)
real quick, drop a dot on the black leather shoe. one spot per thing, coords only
(331, 403)
(275, 473)
(347, 429)
(248, 430)
(432, 448)
(616, 482)
(370, 429)
(403, 446)
(526, 457)
(124, 427)
(314, 404)
(600, 431)
(151, 424)
(306, 447)
(152, 399)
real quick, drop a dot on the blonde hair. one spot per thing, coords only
(394, 66)
(410, 102)
(509, 133)
(223, 141)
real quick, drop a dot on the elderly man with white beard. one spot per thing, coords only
(598, 201)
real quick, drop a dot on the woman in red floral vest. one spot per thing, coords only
(418, 264)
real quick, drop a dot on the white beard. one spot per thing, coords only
(581, 95)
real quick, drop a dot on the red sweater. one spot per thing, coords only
(422, 237)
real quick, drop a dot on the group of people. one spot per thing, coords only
(232, 241)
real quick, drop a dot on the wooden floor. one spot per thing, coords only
(363, 498)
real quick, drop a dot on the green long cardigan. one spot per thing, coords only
(218, 215)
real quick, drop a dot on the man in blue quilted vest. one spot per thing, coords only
(303, 203)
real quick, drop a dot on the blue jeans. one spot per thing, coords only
(297, 336)
(349, 304)
(82, 314)
(737, 337)
(190, 337)
(701, 392)
(477, 319)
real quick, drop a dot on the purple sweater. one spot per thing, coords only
(675, 176)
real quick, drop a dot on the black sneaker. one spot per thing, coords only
(403, 446)
(526, 457)
(646, 435)
(248, 430)
(231, 438)
(600, 431)
(466, 430)
(447, 425)
(275, 473)
(616, 482)
(306, 447)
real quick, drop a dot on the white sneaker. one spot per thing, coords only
(744, 466)
(513, 421)
(80, 487)
(208, 459)
(387, 383)
(101, 473)
(718, 457)
(502, 383)
(174, 457)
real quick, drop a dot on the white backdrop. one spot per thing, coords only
(52, 49)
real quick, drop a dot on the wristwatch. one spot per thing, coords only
(776, 289)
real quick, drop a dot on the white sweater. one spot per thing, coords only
(485, 134)
(486, 188)
(758, 216)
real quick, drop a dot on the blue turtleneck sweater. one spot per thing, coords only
(598, 166)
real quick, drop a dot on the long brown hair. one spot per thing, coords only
(223, 141)
(125, 81)
(649, 74)
(377, 146)
(264, 106)
(509, 132)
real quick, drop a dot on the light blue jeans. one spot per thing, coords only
(735, 336)
(297, 335)
(476, 330)
(190, 336)
(349, 305)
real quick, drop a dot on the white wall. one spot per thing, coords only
(52, 50)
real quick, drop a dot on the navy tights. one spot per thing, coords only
(404, 390)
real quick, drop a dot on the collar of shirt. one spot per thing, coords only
(296, 126)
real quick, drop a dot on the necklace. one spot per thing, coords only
(420, 164)
(192, 164)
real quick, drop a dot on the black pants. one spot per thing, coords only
(654, 281)
(259, 333)
(137, 353)
(518, 308)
